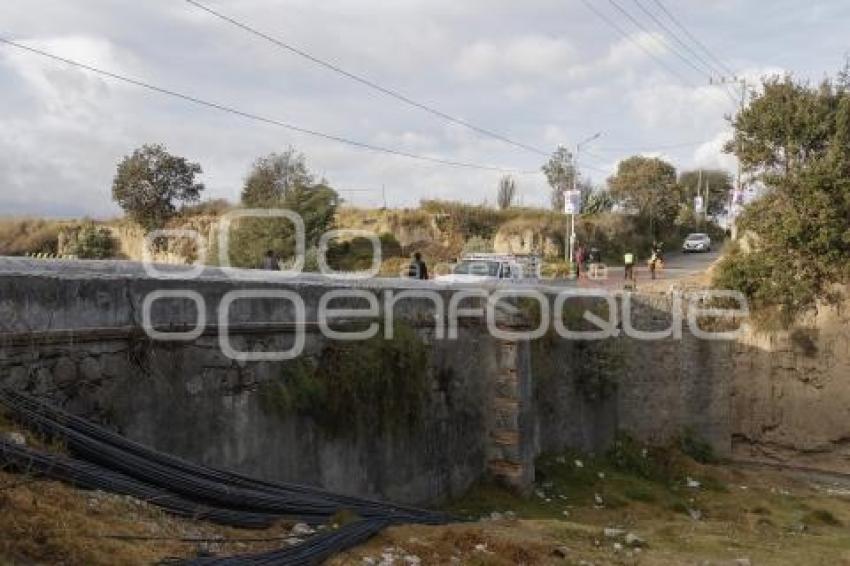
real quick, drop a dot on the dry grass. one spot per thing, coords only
(45, 522)
(765, 516)
(50, 523)
(19, 236)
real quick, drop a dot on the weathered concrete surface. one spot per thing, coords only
(790, 397)
(70, 331)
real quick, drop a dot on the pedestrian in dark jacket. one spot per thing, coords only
(417, 269)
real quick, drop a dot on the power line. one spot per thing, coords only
(638, 44)
(652, 148)
(364, 81)
(255, 117)
(712, 70)
(693, 37)
(641, 27)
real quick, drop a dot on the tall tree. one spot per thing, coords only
(648, 184)
(506, 192)
(795, 138)
(150, 183)
(560, 172)
(272, 177)
(281, 181)
(715, 182)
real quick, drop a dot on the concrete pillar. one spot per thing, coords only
(511, 443)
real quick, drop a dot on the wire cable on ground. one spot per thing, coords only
(106, 461)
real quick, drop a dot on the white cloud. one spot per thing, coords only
(532, 55)
(542, 74)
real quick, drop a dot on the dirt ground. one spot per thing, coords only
(633, 505)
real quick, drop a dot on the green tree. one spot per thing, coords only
(281, 181)
(795, 138)
(715, 182)
(272, 178)
(151, 182)
(598, 201)
(649, 185)
(90, 241)
(560, 172)
(506, 192)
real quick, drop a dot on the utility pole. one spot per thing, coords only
(384, 195)
(572, 232)
(739, 184)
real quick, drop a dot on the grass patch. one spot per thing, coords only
(821, 517)
(378, 384)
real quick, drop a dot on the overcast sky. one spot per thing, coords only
(541, 72)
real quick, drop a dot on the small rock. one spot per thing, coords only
(618, 547)
(692, 483)
(742, 562)
(634, 541)
(565, 513)
(579, 464)
(412, 559)
(611, 532)
(561, 552)
(302, 529)
(15, 438)
(369, 561)
(601, 475)
(481, 548)
(292, 541)
(598, 499)
(496, 516)
(510, 515)
(695, 514)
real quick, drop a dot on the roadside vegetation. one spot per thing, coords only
(794, 139)
(645, 201)
(635, 504)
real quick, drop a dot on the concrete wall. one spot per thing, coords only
(70, 332)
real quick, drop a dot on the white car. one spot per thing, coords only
(697, 243)
(479, 270)
(494, 267)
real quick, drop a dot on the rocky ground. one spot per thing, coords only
(593, 511)
(633, 505)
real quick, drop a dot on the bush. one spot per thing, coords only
(90, 241)
(695, 447)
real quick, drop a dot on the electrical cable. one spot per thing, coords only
(362, 80)
(255, 117)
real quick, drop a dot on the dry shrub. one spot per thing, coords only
(19, 236)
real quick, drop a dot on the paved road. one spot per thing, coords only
(677, 266)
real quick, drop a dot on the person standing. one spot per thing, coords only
(580, 259)
(629, 262)
(417, 268)
(270, 262)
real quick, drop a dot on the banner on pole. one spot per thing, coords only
(698, 205)
(572, 202)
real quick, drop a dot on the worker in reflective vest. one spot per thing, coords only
(629, 261)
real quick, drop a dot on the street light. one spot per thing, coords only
(572, 235)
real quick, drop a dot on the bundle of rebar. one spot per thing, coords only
(104, 460)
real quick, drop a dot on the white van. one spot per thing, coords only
(476, 268)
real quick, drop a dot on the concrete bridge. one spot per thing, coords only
(416, 418)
